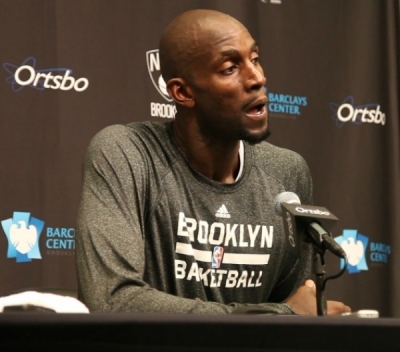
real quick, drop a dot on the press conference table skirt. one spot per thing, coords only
(27, 331)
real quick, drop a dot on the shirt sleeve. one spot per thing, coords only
(110, 236)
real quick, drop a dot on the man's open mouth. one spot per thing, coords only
(256, 110)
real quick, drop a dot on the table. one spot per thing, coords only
(32, 331)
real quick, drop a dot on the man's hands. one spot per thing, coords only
(303, 302)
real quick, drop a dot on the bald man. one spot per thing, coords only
(178, 216)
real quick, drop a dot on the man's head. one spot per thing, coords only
(210, 64)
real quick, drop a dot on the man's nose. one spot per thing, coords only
(255, 77)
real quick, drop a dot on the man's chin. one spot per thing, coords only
(255, 138)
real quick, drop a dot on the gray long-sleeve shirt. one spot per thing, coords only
(154, 235)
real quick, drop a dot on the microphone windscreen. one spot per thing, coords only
(285, 197)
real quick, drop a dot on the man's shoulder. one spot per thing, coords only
(129, 149)
(131, 129)
(131, 133)
(279, 162)
(267, 153)
(287, 166)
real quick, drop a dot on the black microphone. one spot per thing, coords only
(308, 218)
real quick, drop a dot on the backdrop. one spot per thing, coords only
(70, 68)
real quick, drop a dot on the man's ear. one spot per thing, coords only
(180, 92)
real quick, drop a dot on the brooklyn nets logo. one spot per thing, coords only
(153, 66)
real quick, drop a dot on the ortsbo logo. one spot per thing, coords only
(290, 229)
(348, 112)
(302, 210)
(49, 78)
(23, 232)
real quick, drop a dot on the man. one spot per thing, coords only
(178, 216)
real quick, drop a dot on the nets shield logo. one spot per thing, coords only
(154, 68)
(23, 232)
(355, 245)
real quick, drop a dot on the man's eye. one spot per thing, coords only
(255, 60)
(229, 70)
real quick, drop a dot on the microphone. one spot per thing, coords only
(285, 197)
(307, 218)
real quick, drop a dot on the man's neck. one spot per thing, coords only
(216, 160)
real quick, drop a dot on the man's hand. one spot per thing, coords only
(303, 302)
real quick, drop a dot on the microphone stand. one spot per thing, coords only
(321, 241)
(319, 271)
(312, 232)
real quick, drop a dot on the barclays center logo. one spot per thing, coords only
(348, 112)
(361, 253)
(28, 75)
(285, 105)
(23, 232)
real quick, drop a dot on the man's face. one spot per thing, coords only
(228, 86)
